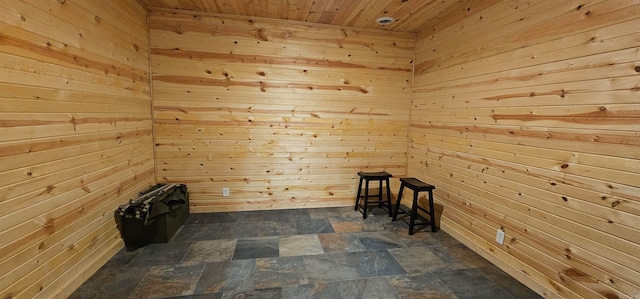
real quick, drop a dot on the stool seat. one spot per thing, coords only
(417, 186)
(374, 175)
(381, 176)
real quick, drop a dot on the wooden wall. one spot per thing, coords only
(282, 113)
(75, 137)
(526, 116)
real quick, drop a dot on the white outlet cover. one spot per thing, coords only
(500, 236)
(225, 191)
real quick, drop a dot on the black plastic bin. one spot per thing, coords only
(153, 216)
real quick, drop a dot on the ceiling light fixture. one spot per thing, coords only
(385, 20)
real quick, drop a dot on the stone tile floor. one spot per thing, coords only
(305, 253)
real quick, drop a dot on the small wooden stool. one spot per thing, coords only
(373, 176)
(417, 186)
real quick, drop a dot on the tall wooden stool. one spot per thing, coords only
(417, 186)
(382, 176)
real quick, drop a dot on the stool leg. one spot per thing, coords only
(366, 199)
(358, 194)
(395, 213)
(414, 211)
(432, 212)
(380, 194)
(388, 197)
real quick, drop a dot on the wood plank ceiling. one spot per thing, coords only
(410, 15)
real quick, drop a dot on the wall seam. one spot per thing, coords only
(413, 77)
(153, 121)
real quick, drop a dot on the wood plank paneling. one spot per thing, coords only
(410, 16)
(526, 117)
(75, 137)
(282, 113)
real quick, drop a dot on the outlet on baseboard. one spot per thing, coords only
(500, 236)
(225, 192)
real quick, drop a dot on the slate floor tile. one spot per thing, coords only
(469, 283)
(197, 232)
(348, 225)
(340, 242)
(302, 253)
(111, 282)
(199, 218)
(210, 251)
(372, 288)
(420, 286)
(313, 226)
(253, 248)
(165, 281)
(320, 290)
(300, 245)
(395, 226)
(377, 240)
(375, 225)
(266, 215)
(226, 276)
(197, 296)
(279, 271)
(300, 214)
(247, 230)
(285, 228)
(123, 258)
(417, 239)
(326, 213)
(270, 293)
(375, 263)
(330, 267)
(222, 217)
(445, 239)
(417, 259)
(458, 256)
(508, 283)
(160, 254)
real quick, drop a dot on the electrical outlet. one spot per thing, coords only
(500, 236)
(225, 192)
